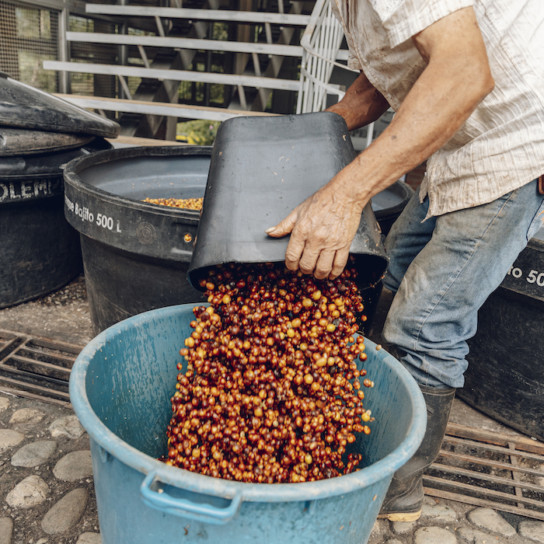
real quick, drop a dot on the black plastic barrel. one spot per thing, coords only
(135, 254)
(39, 134)
(505, 378)
(388, 204)
(40, 251)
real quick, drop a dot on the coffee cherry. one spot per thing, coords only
(269, 391)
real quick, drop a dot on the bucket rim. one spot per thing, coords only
(191, 481)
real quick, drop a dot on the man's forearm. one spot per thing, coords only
(456, 79)
(444, 96)
(362, 104)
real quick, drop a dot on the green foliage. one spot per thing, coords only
(198, 132)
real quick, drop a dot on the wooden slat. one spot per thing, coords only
(504, 450)
(500, 439)
(33, 388)
(516, 477)
(482, 491)
(499, 480)
(7, 335)
(186, 43)
(173, 75)
(55, 346)
(135, 141)
(28, 369)
(193, 43)
(7, 371)
(18, 392)
(157, 108)
(42, 342)
(473, 448)
(200, 14)
(39, 368)
(489, 462)
(35, 354)
(8, 346)
(476, 501)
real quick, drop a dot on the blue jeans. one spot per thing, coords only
(442, 271)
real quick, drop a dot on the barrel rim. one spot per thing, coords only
(404, 192)
(76, 166)
(194, 482)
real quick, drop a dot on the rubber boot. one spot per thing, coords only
(404, 497)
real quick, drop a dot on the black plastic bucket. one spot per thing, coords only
(40, 251)
(135, 254)
(261, 168)
(505, 377)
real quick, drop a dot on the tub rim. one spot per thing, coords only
(198, 483)
(74, 168)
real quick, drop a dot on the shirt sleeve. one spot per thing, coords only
(403, 19)
(353, 61)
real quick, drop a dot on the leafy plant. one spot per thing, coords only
(198, 132)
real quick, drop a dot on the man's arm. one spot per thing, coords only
(457, 77)
(362, 104)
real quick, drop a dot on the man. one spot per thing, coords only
(466, 80)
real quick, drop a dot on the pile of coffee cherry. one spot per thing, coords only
(270, 390)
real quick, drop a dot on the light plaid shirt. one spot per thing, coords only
(501, 146)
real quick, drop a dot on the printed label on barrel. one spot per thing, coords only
(526, 275)
(86, 215)
(128, 229)
(17, 190)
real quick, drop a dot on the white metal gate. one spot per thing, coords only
(321, 43)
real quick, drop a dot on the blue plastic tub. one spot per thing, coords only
(120, 389)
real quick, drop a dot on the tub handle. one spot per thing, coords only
(185, 507)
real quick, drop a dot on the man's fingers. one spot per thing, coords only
(340, 260)
(283, 227)
(324, 264)
(293, 253)
(308, 260)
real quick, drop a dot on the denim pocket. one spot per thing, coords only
(537, 222)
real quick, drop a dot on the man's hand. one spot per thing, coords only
(321, 228)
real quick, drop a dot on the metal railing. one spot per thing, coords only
(321, 42)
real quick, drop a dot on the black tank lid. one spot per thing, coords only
(21, 141)
(23, 106)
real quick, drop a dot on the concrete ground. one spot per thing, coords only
(46, 481)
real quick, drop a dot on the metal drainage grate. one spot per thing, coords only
(489, 469)
(36, 367)
(475, 466)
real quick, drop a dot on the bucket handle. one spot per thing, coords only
(185, 507)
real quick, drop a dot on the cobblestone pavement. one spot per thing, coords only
(46, 484)
(46, 489)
